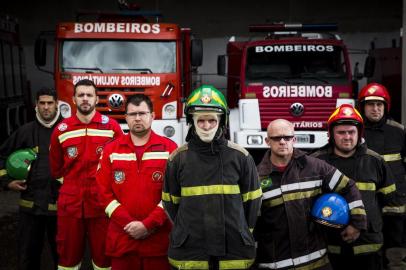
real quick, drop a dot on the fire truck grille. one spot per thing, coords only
(112, 102)
(296, 110)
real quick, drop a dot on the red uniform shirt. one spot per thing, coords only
(74, 154)
(131, 190)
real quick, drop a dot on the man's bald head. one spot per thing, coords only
(280, 124)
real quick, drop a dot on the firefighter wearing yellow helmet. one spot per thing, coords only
(211, 191)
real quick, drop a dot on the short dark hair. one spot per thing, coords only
(85, 82)
(45, 91)
(137, 99)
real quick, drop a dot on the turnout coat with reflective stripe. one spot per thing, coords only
(375, 181)
(212, 194)
(42, 190)
(388, 138)
(286, 235)
(74, 154)
(131, 190)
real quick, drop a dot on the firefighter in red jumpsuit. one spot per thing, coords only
(130, 177)
(76, 145)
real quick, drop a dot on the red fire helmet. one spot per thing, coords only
(374, 91)
(346, 114)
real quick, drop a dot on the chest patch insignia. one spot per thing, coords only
(119, 177)
(72, 151)
(62, 127)
(265, 183)
(157, 176)
(105, 119)
(326, 211)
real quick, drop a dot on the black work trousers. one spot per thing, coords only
(33, 230)
(371, 261)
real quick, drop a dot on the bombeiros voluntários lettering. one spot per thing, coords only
(109, 27)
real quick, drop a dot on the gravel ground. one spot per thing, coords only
(8, 235)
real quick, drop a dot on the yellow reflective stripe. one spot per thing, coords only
(155, 155)
(76, 267)
(301, 195)
(111, 207)
(394, 209)
(366, 186)
(236, 264)
(52, 207)
(334, 249)
(272, 203)
(388, 189)
(125, 157)
(26, 204)
(3, 172)
(201, 265)
(100, 132)
(210, 190)
(358, 211)
(252, 195)
(392, 157)
(60, 180)
(71, 134)
(170, 198)
(314, 265)
(35, 149)
(343, 183)
(95, 267)
(366, 248)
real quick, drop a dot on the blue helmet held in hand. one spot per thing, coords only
(331, 210)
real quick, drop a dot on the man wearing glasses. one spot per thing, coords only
(130, 177)
(290, 181)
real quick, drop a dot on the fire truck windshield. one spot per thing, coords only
(322, 63)
(107, 56)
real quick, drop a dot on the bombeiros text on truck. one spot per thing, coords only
(299, 72)
(125, 54)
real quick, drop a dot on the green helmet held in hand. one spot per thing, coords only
(206, 98)
(18, 164)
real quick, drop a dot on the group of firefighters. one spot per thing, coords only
(142, 202)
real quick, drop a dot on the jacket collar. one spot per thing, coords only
(265, 166)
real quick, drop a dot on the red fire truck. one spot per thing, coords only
(124, 54)
(299, 72)
(15, 97)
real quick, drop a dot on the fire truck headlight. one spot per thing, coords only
(65, 109)
(169, 131)
(254, 140)
(169, 110)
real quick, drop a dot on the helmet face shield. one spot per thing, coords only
(18, 164)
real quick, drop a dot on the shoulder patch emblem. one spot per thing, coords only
(119, 177)
(62, 126)
(72, 151)
(105, 119)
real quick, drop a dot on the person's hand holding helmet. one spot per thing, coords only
(18, 166)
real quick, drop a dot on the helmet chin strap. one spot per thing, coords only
(206, 135)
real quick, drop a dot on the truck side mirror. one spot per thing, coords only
(40, 52)
(357, 75)
(369, 67)
(196, 52)
(221, 65)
